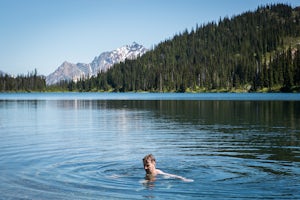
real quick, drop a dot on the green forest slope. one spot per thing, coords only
(252, 51)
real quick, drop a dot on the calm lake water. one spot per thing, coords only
(91, 145)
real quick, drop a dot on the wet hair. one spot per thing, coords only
(147, 158)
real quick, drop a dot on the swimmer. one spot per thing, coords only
(151, 171)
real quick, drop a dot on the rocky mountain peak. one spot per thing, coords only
(101, 63)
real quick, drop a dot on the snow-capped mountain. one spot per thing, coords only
(70, 71)
(105, 60)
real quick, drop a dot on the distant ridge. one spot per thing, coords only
(69, 71)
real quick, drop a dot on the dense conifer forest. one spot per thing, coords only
(22, 83)
(253, 51)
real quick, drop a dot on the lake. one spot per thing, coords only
(91, 145)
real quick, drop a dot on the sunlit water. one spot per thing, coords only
(90, 146)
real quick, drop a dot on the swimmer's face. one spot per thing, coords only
(149, 167)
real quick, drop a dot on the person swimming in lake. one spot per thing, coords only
(151, 171)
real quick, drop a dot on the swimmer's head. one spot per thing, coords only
(149, 164)
(148, 158)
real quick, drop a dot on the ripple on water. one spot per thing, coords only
(81, 179)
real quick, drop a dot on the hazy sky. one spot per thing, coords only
(42, 34)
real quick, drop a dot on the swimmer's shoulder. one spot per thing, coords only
(173, 176)
(158, 171)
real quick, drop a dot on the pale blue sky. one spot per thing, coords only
(42, 34)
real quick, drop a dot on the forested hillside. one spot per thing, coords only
(251, 51)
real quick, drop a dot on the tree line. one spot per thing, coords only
(25, 83)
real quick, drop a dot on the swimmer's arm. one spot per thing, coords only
(174, 176)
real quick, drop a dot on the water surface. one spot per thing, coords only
(90, 146)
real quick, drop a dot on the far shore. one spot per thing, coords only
(188, 90)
